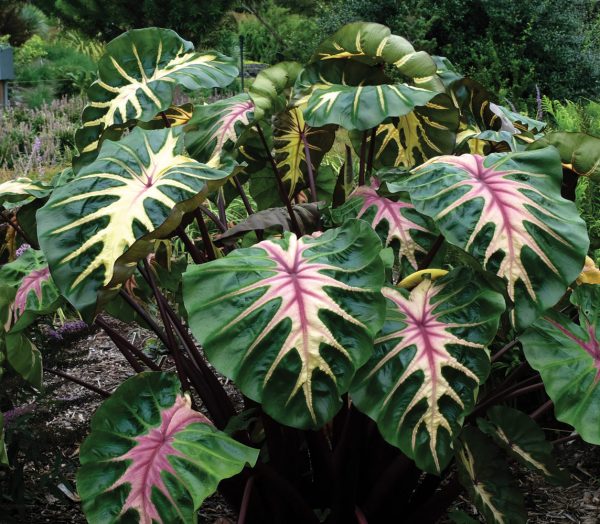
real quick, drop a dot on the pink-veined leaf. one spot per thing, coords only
(567, 355)
(506, 211)
(396, 221)
(216, 127)
(429, 360)
(151, 458)
(291, 320)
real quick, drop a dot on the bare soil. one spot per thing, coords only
(51, 428)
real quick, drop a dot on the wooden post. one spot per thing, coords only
(3, 94)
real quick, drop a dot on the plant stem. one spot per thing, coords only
(245, 501)
(190, 246)
(206, 240)
(221, 208)
(503, 350)
(282, 193)
(172, 343)
(431, 253)
(524, 391)
(145, 316)
(165, 119)
(371, 152)
(309, 168)
(216, 220)
(363, 154)
(243, 195)
(568, 438)
(127, 348)
(76, 380)
(541, 410)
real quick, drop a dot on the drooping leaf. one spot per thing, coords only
(579, 152)
(567, 355)
(150, 458)
(278, 219)
(24, 357)
(429, 360)
(487, 480)
(506, 211)
(217, 126)
(291, 320)
(94, 227)
(524, 440)
(396, 221)
(291, 138)
(21, 189)
(271, 89)
(137, 77)
(373, 44)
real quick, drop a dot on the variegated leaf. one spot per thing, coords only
(271, 90)
(291, 320)
(137, 77)
(21, 189)
(96, 227)
(506, 210)
(429, 360)
(488, 481)
(396, 221)
(152, 459)
(567, 355)
(291, 137)
(523, 439)
(217, 126)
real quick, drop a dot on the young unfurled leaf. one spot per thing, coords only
(216, 127)
(150, 458)
(524, 440)
(135, 191)
(567, 355)
(487, 480)
(137, 77)
(429, 360)
(291, 320)
(506, 211)
(396, 221)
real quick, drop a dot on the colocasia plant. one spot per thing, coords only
(411, 276)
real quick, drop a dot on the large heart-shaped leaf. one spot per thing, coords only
(488, 481)
(524, 440)
(396, 221)
(151, 458)
(291, 320)
(137, 78)
(216, 126)
(271, 89)
(567, 355)
(506, 210)
(429, 360)
(136, 190)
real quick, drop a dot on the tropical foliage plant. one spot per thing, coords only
(391, 325)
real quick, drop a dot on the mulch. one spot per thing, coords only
(54, 426)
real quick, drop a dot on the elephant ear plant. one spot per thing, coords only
(402, 297)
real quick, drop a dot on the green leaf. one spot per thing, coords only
(137, 78)
(567, 355)
(24, 358)
(95, 227)
(579, 152)
(430, 357)
(271, 89)
(216, 127)
(21, 189)
(151, 458)
(506, 211)
(487, 480)
(291, 320)
(524, 440)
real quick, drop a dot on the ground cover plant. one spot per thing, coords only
(389, 322)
